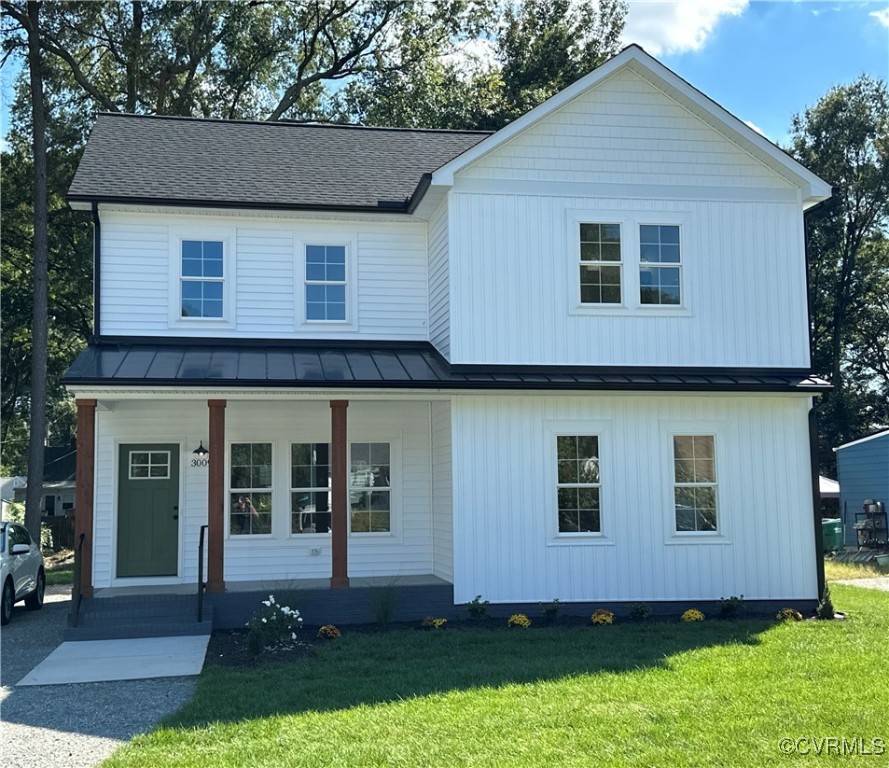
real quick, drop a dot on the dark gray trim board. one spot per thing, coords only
(388, 366)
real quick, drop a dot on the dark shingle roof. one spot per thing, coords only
(259, 164)
(385, 365)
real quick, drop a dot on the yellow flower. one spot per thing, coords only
(432, 622)
(692, 614)
(788, 614)
(601, 616)
(329, 632)
(519, 620)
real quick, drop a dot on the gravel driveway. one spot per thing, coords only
(70, 726)
(880, 582)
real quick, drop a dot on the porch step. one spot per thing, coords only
(140, 616)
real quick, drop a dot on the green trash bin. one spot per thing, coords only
(832, 534)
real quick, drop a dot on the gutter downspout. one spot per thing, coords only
(97, 271)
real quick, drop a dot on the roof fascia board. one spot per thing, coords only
(813, 187)
(861, 440)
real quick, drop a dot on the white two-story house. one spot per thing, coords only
(569, 359)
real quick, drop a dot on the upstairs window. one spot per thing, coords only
(326, 283)
(694, 468)
(202, 279)
(659, 264)
(600, 264)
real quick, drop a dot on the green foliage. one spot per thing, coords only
(383, 601)
(731, 607)
(273, 625)
(477, 607)
(639, 611)
(825, 609)
(550, 610)
(15, 512)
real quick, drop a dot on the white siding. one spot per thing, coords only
(624, 131)
(408, 551)
(139, 276)
(439, 281)
(505, 547)
(442, 504)
(514, 274)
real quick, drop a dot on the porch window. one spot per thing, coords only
(694, 469)
(202, 279)
(326, 283)
(309, 488)
(250, 488)
(578, 485)
(370, 488)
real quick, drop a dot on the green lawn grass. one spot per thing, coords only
(665, 694)
(834, 571)
(60, 576)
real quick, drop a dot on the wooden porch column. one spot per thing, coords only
(339, 474)
(215, 498)
(85, 493)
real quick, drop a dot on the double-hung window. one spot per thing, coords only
(326, 283)
(370, 488)
(250, 488)
(202, 279)
(600, 263)
(659, 264)
(694, 473)
(578, 485)
(310, 488)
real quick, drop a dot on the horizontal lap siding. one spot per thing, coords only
(137, 261)
(514, 271)
(503, 548)
(439, 280)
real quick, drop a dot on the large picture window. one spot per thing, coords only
(326, 282)
(578, 486)
(600, 264)
(370, 492)
(310, 488)
(202, 279)
(659, 264)
(250, 488)
(694, 470)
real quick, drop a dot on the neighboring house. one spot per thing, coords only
(59, 468)
(863, 471)
(569, 359)
(8, 487)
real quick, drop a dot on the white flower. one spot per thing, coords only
(272, 598)
(299, 619)
(293, 635)
(264, 621)
(266, 602)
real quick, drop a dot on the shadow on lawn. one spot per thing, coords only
(392, 666)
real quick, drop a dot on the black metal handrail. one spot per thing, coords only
(201, 583)
(76, 596)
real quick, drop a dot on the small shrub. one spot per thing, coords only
(518, 620)
(273, 625)
(692, 614)
(731, 607)
(431, 622)
(550, 610)
(601, 617)
(384, 600)
(478, 607)
(788, 614)
(825, 609)
(640, 611)
(329, 632)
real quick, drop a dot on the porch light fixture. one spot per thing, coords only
(200, 450)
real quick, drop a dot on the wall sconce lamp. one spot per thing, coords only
(200, 450)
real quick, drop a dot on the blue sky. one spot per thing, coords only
(764, 60)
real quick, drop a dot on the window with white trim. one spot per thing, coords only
(326, 283)
(310, 488)
(370, 488)
(202, 279)
(149, 465)
(578, 484)
(250, 489)
(600, 263)
(694, 475)
(659, 264)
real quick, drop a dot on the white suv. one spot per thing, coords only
(21, 570)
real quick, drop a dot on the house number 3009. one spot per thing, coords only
(200, 462)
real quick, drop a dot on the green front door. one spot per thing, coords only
(148, 510)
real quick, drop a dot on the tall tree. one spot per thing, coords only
(844, 138)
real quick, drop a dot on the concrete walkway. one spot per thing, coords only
(97, 661)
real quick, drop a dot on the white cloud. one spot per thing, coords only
(675, 26)
(755, 127)
(881, 16)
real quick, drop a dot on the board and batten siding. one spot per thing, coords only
(442, 502)
(505, 543)
(139, 271)
(408, 551)
(514, 276)
(439, 280)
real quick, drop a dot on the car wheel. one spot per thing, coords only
(34, 601)
(8, 600)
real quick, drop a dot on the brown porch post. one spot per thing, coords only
(84, 476)
(215, 500)
(339, 494)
